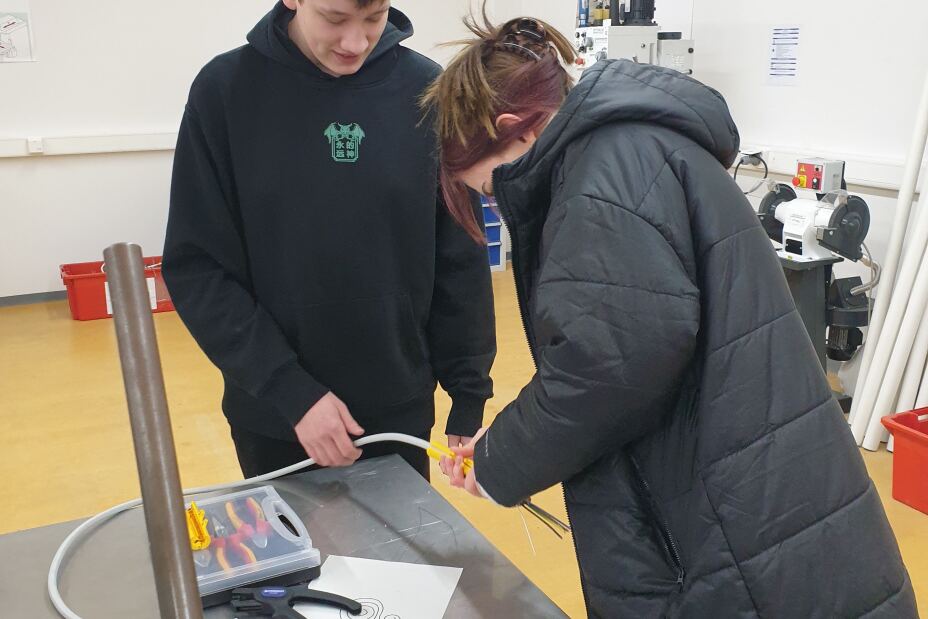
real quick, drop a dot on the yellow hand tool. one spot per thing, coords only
(437, 450)
(196, 528)
(198, 531)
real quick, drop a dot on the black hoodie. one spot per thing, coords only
(307, 249)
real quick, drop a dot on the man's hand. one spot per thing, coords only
(324, 433)
(454, 469)
(458, 441)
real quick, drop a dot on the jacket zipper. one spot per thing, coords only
(523, 311)
(668, 539)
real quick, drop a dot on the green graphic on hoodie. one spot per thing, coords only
(345, 141)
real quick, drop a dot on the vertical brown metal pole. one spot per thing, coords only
(175, 577)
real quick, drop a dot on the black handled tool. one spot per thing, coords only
(277, 602)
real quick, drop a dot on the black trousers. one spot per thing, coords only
(258, 454)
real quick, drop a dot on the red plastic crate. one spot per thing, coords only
(910, 457)
(87, 288)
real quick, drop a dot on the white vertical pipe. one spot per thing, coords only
(914, 371)
(922, 400)
(900, 221)
(887, 341)
(908, 329)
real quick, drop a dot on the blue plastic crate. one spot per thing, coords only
(494, 233)
(495, 254)
(490, 216)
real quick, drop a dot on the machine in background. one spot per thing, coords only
(816, 231)
(632, 33)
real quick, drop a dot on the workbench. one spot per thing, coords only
(376, 509)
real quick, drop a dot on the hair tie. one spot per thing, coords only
(519, 49)
(531, 29)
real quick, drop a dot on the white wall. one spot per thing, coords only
(57, 210)
(110, 67)
(562, 14)
(861, 74)
(860, 79)
(103, 67)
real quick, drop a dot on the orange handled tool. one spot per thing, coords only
(262, 526)
(233, 543)
(258, 532)
(225, 543)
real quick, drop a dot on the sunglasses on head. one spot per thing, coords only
(523, 36)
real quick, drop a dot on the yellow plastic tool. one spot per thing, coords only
(196, 528)
(437, 450)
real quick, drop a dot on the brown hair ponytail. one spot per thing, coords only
(516, 68)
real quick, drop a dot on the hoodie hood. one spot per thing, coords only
(615, 91)
(270, 38)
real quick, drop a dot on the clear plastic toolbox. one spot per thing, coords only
(246, 539)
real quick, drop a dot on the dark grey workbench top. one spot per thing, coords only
(377, 509)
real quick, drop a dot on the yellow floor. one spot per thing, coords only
(66, 448)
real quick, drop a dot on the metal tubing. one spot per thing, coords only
(172, 560)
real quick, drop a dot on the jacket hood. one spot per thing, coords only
(623, 91)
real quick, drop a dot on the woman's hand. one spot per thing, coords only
(454, 469)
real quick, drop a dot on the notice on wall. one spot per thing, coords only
(783, 68)
(15, 32)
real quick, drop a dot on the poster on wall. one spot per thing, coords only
(15, 32)
(783, 69)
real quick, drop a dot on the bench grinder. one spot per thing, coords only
(815, 230)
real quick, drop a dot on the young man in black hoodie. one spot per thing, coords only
(307, 250)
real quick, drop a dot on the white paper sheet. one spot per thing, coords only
(386, 590)
(783, 69)
(15, 31)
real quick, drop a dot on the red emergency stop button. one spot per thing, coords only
(797, 181)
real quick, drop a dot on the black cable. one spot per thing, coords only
(551, 517)
(528, 508)
(741, 161)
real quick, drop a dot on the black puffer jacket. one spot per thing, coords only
(709, 472)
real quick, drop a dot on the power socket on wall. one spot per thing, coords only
(752, 156)
(35, 146)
